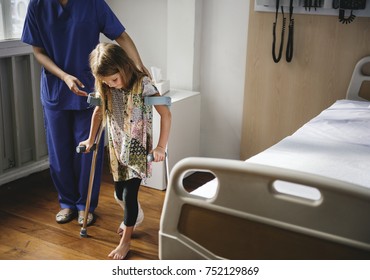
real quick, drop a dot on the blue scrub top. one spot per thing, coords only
(68, 35)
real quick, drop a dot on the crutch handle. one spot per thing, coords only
(82, 148)
(150, 157)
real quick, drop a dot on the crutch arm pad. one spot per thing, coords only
(157, 100)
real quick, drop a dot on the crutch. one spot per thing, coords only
(159, 100)
(95, 101)
(150, 158)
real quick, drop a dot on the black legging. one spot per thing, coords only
(128, 191)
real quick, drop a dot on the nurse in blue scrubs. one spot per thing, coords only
(62, 34)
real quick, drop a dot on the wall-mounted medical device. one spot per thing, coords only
(345, 10)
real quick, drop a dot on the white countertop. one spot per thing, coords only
(179, 94)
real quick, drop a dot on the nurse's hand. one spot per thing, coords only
(74, 85)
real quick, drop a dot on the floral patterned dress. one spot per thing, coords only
(129, 123)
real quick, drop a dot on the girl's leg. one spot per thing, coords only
(128, 192)
(118, 195)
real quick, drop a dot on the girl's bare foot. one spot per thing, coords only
(120, 252)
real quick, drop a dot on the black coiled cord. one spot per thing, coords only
(346, 20)
(274, 57)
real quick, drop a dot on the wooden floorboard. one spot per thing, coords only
(29, 232)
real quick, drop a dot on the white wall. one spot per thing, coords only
(215, 53)
(183, 43)
(146, 23)
(223, 59)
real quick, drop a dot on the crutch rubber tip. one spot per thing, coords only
(83, 232)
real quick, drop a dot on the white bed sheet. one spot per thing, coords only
(335, 144)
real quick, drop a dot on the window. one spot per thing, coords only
(12, 14)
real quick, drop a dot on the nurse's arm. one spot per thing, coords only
(126, 43)
(72, 82)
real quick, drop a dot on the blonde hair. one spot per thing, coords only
(108, 59)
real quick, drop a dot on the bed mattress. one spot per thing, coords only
(334, 144)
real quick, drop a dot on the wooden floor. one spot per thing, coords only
(28, 229)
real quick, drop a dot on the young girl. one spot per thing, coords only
(122, 88)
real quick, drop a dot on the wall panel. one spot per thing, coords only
(281, 97)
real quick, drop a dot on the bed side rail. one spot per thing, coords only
(248, 218)
(357, 80)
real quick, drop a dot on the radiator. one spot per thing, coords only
(23, 148)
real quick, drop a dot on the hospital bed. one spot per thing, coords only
(306, 197)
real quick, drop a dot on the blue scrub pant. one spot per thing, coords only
(69, 170)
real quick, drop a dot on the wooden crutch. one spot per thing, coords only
(95, 101)
(95, 148)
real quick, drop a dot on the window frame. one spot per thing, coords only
(7, 12)
(14, 47)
